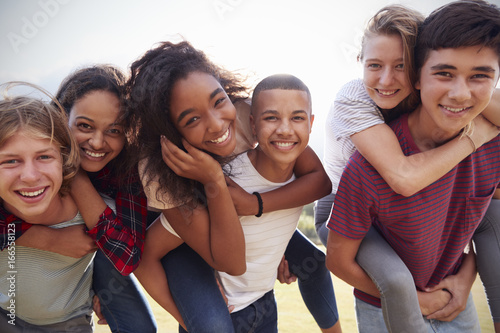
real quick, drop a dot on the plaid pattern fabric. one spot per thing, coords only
(120, 236)
(10, 226)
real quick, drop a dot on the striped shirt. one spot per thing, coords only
(430, 229)
(45, 287)
(352, 112)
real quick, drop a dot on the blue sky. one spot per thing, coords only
(41, 41)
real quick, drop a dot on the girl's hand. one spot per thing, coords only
(483, 131)
(195, 164)
(245, 203)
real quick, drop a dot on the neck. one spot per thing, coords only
(424, 131)
(270, 169)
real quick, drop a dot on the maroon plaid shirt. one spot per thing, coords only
(120, 236)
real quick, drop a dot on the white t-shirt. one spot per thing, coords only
(266, 239)
(352, 112)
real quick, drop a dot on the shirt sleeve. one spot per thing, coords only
(11, 229)
(121, 236)
(355, 199)
(354, 111)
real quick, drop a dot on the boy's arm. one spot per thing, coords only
(150, 272)
(341, 261)
(312, 183)
(459, 286)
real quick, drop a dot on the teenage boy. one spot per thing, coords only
(281, 119)
(457, 59)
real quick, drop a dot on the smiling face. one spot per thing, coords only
(455, 86)
(30, 175)
(383, 71)
(282, 121)
(203, 113)
(93, 119)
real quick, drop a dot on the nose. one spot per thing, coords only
(285, 127)
(460, 91)
(387, 76)
(96, 141)
(29, 172)
(215, 122)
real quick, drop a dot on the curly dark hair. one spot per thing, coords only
(149, 91)
(101, 77)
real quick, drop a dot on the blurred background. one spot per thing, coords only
(41, 41)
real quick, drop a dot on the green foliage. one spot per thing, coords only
(306, 224)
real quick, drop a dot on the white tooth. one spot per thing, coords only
(387, 93)
(222, 138)
(94, 154)
(453, 109)
(284, 144)
(31, 194)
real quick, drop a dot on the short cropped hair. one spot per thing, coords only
(280, 81)
(45, 121)
(459, 24)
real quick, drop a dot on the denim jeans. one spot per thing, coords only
(259, 317)
(307, 262)
(195, 292)
(123, 302)
(371, 320)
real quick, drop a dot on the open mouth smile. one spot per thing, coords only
(31, 194)
(93, 154)
(222, 138)
(387, 92)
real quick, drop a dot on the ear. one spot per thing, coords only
(252, 124)
(311, 123)
(417, 84)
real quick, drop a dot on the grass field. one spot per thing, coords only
(294, 317)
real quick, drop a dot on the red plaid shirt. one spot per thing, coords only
(120, 236)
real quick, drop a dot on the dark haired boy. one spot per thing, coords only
(458, 61)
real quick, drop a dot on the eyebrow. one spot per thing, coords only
(270, 111)
(92, 121)
(379, 60)
(188, 111)
(477, 68)
(41, 151)
(86, 118)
